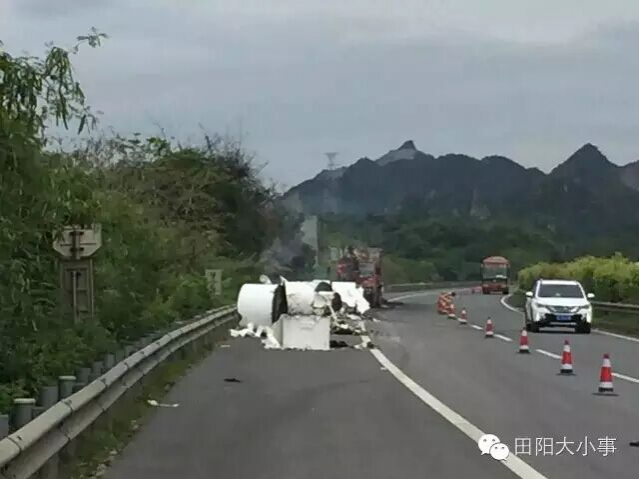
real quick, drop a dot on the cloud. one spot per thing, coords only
(358, 77)
(43, 9)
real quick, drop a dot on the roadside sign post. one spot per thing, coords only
(214, 281)
(76, 245)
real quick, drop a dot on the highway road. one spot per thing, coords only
(413, 408)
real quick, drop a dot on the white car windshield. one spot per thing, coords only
(560, 291)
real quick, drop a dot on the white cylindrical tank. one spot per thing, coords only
(255, 304)
(299, 297)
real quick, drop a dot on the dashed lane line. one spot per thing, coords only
(626, 378)
(503, 338)
(549, 354)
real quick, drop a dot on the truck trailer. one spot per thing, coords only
(363, 266)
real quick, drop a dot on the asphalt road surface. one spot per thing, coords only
(356, 414)
(523, 397)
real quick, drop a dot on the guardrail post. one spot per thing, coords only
(65, 386)
(96, 370)
(82, 375)
(109, 361)
(129, 349)
(49, 395)
(4, 425)
(22, 413)
(119, 355)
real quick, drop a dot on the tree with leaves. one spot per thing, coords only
(168, 214)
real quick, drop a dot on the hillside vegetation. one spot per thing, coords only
(168, 213)
(458, 208)
(440, 248)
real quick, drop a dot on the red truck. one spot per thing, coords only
(494, 275)
(364, 267)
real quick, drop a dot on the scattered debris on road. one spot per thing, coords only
(342, 327)
(365, 344)
(154, 403)
(232, 380)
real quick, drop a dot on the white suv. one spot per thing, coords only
(558, 303)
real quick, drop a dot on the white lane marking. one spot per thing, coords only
(514, 463)
(626, 378)
(615, 335)
(505, 338)
(478, 328)
(508, 306)
(549, 354)
(617, 375)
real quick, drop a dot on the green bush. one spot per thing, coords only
(614, 279)
(396, 270)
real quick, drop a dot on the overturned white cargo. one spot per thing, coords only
(308, 332)
(352, 296)
(299, 297)
(260, 304)
(298, 314)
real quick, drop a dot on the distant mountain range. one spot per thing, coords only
(585, 195)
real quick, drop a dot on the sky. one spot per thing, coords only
(529, 79)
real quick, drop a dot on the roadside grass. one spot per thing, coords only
(517, 299)
(614, 322)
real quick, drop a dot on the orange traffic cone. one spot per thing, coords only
(566, 359)
(441, 304)
(523, 342)
(462, 317)
(605, 379)
(489, 329)
(451, 311)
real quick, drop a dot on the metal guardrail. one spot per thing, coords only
(616, 307)
(35, 447)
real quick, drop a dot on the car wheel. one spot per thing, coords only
(534, 328)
